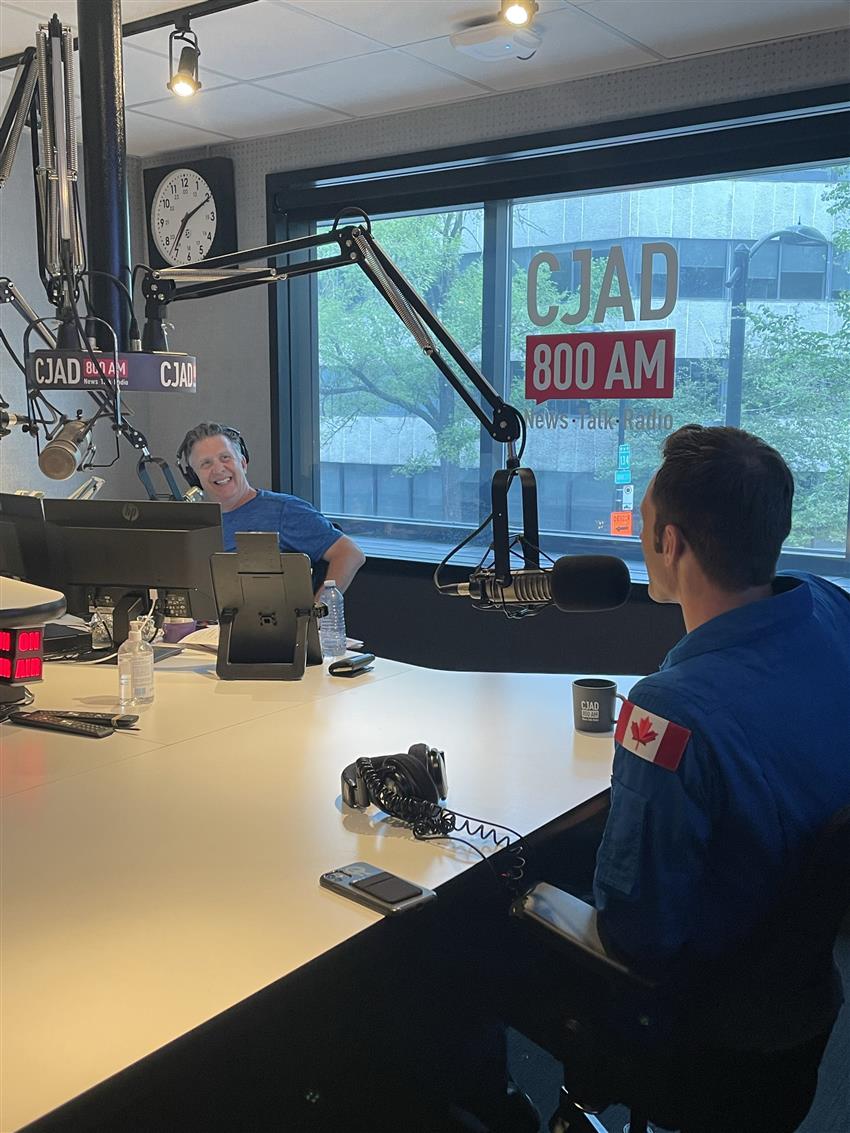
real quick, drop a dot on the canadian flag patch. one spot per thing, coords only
(651, 737)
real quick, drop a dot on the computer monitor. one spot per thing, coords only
(112, 553)
(23, 539)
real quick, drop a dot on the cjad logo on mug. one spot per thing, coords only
(593, 704)
(589, 710)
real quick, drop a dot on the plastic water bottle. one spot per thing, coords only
(135, 669)
(332, 626)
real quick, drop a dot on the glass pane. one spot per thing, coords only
(394, 495)
(331, 487)
(763, 278)
(790, 382)
(358, 489)
(840, 276)
(384, 406)
(702, 269)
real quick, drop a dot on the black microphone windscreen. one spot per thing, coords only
(584, 583)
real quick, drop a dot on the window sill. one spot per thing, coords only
(428, 553)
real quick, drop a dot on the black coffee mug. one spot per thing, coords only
(594, 701)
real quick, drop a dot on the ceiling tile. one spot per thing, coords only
(391, 81)
(243, 111)
(264, 38)
(573, 46)
(40, 11)
(146, 136)
(396, 22)
(17, 29)
(688, 27)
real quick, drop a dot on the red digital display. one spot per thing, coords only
(20, 655)
(29, 641)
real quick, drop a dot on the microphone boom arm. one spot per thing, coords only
(356, 245)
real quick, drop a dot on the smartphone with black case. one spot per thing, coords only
(376, 889)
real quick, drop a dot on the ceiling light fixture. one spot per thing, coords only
(519, 13)
(184, 81)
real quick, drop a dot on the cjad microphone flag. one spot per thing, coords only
(651, 737)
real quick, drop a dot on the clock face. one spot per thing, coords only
(183, 217)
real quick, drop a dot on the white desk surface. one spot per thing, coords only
(152, 880)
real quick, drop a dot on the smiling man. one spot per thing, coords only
(218, 457)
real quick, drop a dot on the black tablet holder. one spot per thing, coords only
(268, 617)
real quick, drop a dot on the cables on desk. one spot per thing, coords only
(430, 821)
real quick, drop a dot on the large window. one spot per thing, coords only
(760, 310)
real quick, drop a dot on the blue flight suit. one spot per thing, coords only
(692, 858)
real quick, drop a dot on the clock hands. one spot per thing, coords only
(186, 220)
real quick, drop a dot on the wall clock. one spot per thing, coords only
(191, 211)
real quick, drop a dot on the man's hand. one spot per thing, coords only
(344, 559)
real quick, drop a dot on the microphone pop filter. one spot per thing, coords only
(582, 584)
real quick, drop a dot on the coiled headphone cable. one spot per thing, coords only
(430, 821)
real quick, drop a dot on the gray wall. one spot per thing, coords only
(19, 261)
(230, 334)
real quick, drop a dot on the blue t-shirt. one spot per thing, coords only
(300, 527)
(708, 820)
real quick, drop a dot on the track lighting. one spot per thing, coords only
(519, 13)
(184, 81)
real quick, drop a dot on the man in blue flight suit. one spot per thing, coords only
(729, 760)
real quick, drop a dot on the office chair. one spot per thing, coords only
(622, 1050)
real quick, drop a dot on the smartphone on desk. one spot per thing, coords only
(376, 889)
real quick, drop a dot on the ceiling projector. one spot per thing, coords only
(495, 41)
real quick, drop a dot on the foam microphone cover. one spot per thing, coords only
(584, 583)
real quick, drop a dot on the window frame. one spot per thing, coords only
(801, 128)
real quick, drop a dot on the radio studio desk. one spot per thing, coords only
(154, 879)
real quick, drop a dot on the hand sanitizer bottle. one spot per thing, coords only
(135, 669)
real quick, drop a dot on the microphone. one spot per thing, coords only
(67, 450)
(575, 584)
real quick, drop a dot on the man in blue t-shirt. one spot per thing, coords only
(218, 457)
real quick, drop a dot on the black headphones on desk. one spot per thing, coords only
(410, 787)
(419, 774)
(189, 473)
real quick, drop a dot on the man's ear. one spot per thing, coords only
(673, 543)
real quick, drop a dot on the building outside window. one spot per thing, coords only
(406, 466)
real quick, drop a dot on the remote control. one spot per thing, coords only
(113, 719)
(61, 724)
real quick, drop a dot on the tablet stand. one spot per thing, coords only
(268, 617)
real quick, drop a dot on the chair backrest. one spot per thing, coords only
(806, 920)
(784, 971)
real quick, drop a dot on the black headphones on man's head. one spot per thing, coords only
(189, 473)
(389, 781)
